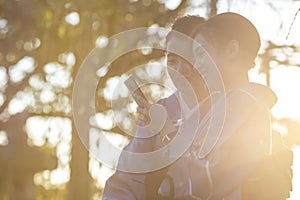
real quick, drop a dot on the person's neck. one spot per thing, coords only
(230, 84)
(235, 78)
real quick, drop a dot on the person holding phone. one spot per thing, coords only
(232, 42)
(133, 186)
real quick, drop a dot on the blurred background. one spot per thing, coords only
(44, 42)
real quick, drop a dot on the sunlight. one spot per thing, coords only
(36, 81)
(285, 82)
(102, 71)
(3, 77)
(295, 194)
(47, 95)
(67, 58)
(59, 177)
(276, 26)
(2, 99)
(172, 4)
(115, 89)
(31, 45)
(3, 138)
(154, 70)
(256, 77)
(101, 42)
(53, 132)
(24, 66)
(73, 18)
(98, 171)
(3, 23)
(58, 75)
(19, 103)
(103, 121)
(3, 28)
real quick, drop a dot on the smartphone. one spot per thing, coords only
(134, 88)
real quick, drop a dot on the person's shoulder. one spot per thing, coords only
(172, 105)
(169, 100)
(258, 92)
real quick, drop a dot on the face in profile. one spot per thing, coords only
(182, 73)
(204, 53)
(178, 68)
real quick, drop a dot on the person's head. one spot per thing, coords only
(231, 40)
(179, 63)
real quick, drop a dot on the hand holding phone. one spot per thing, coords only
(136, 92)
(159, 121)
(140, 99)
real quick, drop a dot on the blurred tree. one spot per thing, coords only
(56, 36)
(277, 55)
(19, 162)
(213, 7)
(291, 131)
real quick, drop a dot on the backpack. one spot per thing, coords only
(272, 179)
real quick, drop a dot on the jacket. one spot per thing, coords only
(216, 172)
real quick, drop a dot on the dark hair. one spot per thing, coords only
(232, 26)
(186, 24)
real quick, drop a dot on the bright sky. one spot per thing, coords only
(273, 23)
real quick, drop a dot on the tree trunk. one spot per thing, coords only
(213, 8)
(79, 185)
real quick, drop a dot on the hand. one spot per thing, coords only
(143, 108)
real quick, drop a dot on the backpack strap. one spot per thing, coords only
(210, 132)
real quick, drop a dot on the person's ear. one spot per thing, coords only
(233, 49)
